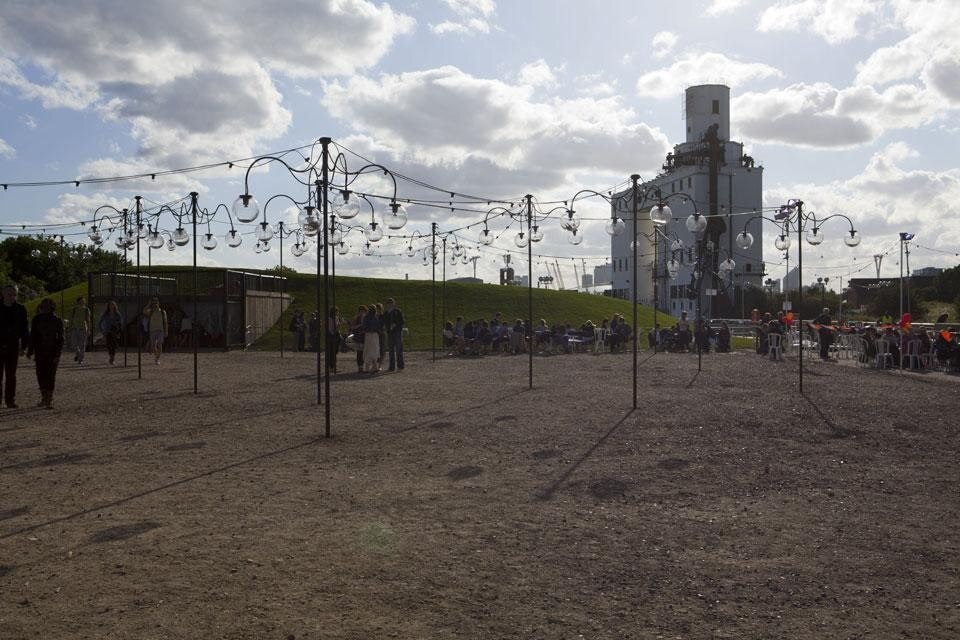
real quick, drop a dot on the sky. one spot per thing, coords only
(850, 105)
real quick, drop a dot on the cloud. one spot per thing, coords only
(28, 121)
(203, 89)
(820, 115)
(933, 31)
(718, 7)
(836, 21)
(417, 117)
(663, 43)
(702, 68)
(6, 151)
(473, 16)
(882, 200)
(537, 74)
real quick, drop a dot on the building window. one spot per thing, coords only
(689, 182)
(716, 106)
(749, 267)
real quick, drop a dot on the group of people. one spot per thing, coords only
(44, 336)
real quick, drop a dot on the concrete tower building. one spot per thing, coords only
(717, 179)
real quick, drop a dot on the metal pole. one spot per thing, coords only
(281, 289)
(803, 329)
(907, 300)
(333, 266)
(433, 291)
(196, 315)
(443, 286)
(656, 277)
(325, 142)
(63, 281)
(139, 295)
(901, 275)
(139, 313)
(530, 282)
(635, 178)
(320, 321)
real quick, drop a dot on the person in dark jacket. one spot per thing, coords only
(393, 326)
(14, 331)
(111, 326)
(46, 343)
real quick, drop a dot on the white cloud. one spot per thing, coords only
(820, 115)
(596, 84)
(702, 68)
(834, 20)
(933, 28)
(663, 43)
(718, 7)
(202, 89)
(537, 74)
(473, 16)
(6, 151)
(882, 201)
(28, 121)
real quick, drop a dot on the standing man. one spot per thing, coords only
(157, 326)
(824, 325)
(13, 339)
(79, 329)
(393, 321)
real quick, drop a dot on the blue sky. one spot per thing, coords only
(849, 104)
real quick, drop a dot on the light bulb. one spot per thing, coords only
(209, 242)
(745, 240)
(348, 207)
(520, 240)
(181, 237)
(852, 239)
(233, 238)
(615, 227)
(814, 236)
(373, 232)
(486, 238)
(696, 223)
(246, 208)
(397, 219)
(660, 214)
(575, 237)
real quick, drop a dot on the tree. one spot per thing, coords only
(45, 261)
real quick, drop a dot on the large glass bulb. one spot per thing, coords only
(673, 268)
(411, 251)
(171, 245)
(155, 240)
(209, 242)
(311, 226)
(745, 240)
(486, 238)
(575, 237)
(93, 233)
(264, 232)
(676, 245)
(181, 237)
(373, 232)
(368, 249)
(814, 236)
(343, 248)
(571, 222)
(520, 240)
(536, 234)
(297, 250)
(142, 230)
(350, 206)
(303, 214)
(397, 218)
(660, 214)
(727, 266)
(233, 238)
(782, 243)
(335, 236)
(696, 223)
(246, 208)
(615, 226)
(852, 238)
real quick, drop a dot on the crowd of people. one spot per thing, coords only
(917, 346)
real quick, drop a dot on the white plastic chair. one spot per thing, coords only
(911, 358)
(883, 353)
(599, 339)
(775, 346)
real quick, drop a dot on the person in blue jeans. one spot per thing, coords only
(393, 325)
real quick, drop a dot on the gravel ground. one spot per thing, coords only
(452, 502)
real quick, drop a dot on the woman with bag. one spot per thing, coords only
(111, 326)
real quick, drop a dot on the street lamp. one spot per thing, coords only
(792, 215)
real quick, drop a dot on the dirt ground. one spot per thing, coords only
(452, 502)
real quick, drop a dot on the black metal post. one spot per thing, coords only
(433, 291)
(803, 328)
(63, 280)
(530, 284)
(443, 285)
(321, 324)
(325, 142)
(636, 204)
(282, 288)
(139, 313)
(333, 265)
(196, 285)
(139, 295)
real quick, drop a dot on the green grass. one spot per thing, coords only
(70, 296)
(472, 301)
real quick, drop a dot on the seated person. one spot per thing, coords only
(518, 342)
(484, 337)
(723, 338)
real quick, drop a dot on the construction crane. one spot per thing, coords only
(576, 275)
(559, 274)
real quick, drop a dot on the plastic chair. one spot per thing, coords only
(911, 358)
(774, 346)
(929, 359)
(883, 354)
(599, 339)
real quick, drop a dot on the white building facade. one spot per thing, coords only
(709, 174)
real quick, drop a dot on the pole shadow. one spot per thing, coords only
(444, 417)
(547, 493)
(836, 431)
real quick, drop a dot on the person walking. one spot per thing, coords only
(14, 331)
(46, 344)
(371, 340)
(156, 320)
(359, 339)
(79, 329)
(298, 327)
(382, 336)
(824, 326)
(393, 326)
(111, 326)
